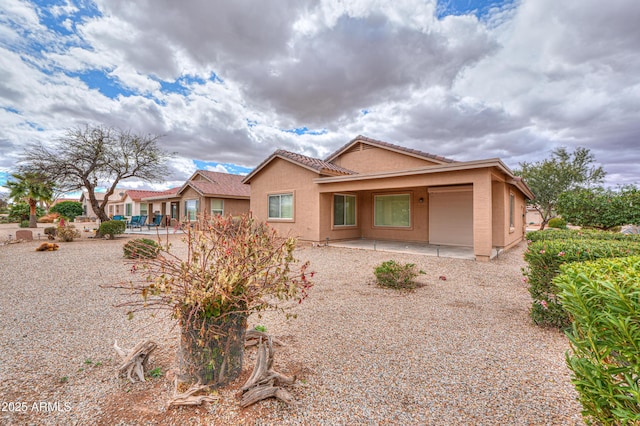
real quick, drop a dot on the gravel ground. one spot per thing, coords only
(454, 351)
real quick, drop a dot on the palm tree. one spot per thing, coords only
(30, 187)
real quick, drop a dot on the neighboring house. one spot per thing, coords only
(533, 216)
(87, 210)
(165, 203)
(204, 193)
(376, 190)
(213, 193)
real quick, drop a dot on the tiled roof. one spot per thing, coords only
(394, 147)
(217, 183)
(314, 163)
(139, 194)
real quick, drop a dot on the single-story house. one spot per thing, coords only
(377, 190)
(204, 193)
(130, 202)
(87, 209)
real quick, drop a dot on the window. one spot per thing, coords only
(128, 209)
(344, 210)
(393, 210)
(191, 209)
(143, 209)
(512, 210)
(217, 207)
(281, 206)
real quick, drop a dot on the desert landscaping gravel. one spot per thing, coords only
(460, 349)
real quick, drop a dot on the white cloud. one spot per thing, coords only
(532, 76)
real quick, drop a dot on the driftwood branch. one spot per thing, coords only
(252, 338)
(189, 397)
(135, 360)
(265, 382)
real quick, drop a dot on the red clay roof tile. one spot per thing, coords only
(224, 184)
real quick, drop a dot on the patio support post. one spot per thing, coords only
(482, 218)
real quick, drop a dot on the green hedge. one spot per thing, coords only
(603, 300)
(544, 259)
(579, 234)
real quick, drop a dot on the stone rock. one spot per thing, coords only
(24, 235)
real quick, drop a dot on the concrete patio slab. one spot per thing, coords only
(454, 252)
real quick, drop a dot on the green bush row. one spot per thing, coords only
(544, 259)
(603, 301)
(579, 234)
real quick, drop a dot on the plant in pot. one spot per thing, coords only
(233, 267)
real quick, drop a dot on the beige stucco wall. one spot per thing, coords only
(503, 235)
(418, 231)
(232, 206)
(372, 159)
(281, 176)
(500, 209)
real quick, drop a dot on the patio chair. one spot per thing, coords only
(141, 221)
(157, 221)
(118, 217)
(133, 222)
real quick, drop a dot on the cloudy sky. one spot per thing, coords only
(228, 82)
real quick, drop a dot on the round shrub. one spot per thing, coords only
(111, 228)
(24, 224)
(558, 223)
(67, 233)
(51, 232)
(141, 248)
(397, 276)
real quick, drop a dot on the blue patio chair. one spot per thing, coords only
(133, 222)
(141, 221)
(157, 221)
(118, 217)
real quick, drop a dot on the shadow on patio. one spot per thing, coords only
(454, 252)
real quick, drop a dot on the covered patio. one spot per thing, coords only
(425, 249)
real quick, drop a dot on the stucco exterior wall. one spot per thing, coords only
(516, 234)
(500, 207)
(369, 159)
(279, 177)
(232, 206)
(365, 228)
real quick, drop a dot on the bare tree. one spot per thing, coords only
(94, 156)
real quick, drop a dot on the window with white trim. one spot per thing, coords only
(344, 210)
(512, 210)
(217, 207)
(128, 209)
(191, 209)
(392, 210)
(281, 206)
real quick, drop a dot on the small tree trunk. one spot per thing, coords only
(33, 218)
(212, 349)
